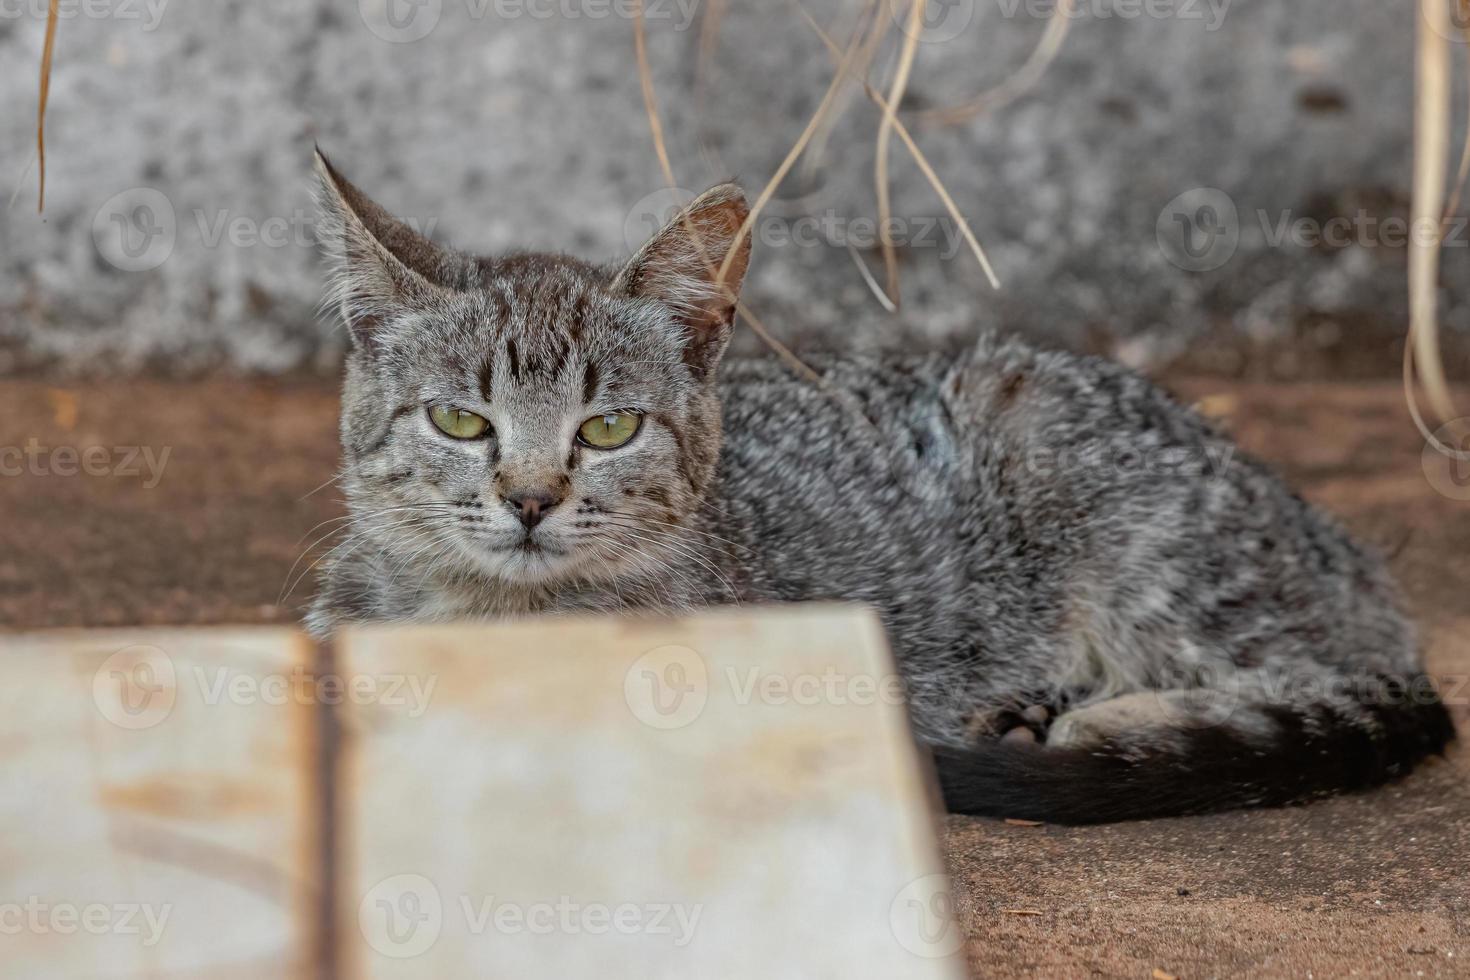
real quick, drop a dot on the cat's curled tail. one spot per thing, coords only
(1157, 754)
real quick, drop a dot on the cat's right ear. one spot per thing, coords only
(695, 267)
(380, 267)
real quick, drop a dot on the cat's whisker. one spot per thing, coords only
(666, 531)
(360, 515)
(441, 533)
(321, 487)
(354, 523)
(679, 527)
(686, 549)
(363, 530)
(667, 567)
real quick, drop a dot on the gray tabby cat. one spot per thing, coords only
(1099, 608)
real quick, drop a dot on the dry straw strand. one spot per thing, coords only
(650, 101)
(812, 125)
(811, 157)
(1463, 171)
(868, 279)
(906, 55)
(1020, 81)
(817, 149)
(919, 159)
(656, 129)
(1431, 148)
(53, 14)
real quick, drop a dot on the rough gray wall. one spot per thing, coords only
(177, 232)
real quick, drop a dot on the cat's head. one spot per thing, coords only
(530, 418)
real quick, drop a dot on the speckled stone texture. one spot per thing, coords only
(520, 123)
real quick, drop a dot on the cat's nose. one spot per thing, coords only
(531, 507)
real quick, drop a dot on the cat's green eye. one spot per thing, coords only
(609, 431)
(458, 423)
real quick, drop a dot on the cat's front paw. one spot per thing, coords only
(1027, 726)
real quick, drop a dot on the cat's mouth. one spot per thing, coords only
(530, 557)
(531, 543)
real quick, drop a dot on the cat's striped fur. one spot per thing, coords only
(1039, 531)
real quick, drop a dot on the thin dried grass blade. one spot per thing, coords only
(782, 351)
(885, 134)
(1018, 82)
(1463, 170)
(650, 105)
(919, 159)
(872, 283)
(650, 102)
(53, 14)
(769, 190)
(876, 30)
(1431, 147)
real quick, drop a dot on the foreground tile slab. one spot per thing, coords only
(735, 795)
(158, 805)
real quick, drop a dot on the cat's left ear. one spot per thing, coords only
(681, 268)
(382, 268)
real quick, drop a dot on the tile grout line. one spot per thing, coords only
(326, 954)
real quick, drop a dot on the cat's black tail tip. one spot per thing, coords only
(1312, 753)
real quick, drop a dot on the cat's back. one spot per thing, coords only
(1061, 456)
(995, 389)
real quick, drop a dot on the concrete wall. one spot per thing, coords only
(177, 232)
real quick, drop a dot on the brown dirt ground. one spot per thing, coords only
(1374, 885)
